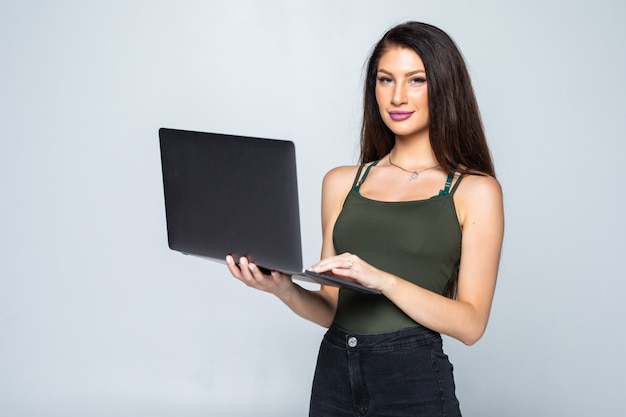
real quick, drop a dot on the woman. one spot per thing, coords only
(420, 220)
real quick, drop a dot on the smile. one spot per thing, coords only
(400, 115)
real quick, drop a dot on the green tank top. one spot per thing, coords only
(419, 241)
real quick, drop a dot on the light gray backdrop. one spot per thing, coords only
(99, 318)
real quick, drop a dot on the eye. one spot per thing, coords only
(383, 79)
(418, 80)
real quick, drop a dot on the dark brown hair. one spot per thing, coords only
(455, 126)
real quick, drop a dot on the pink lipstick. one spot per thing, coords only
(398, 115)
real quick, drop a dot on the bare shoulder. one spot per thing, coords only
(335, 188)
(479, 194)
(339, 179)
(476, 187)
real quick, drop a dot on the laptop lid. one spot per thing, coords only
(227, 194)
(238, 195)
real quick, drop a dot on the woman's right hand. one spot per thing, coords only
(247, 272)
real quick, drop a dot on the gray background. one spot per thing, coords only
(99, 318)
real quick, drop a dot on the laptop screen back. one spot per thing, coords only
(227, 194)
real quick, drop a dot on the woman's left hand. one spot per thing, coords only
(352, 268)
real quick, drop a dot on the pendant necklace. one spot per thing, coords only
(415, 173)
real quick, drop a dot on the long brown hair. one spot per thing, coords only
(455, 126)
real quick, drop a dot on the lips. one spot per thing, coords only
(398, 115)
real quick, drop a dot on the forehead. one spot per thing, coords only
(400, 58)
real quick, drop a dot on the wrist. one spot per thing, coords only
(390, 282)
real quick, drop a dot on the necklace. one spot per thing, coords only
(415, 173)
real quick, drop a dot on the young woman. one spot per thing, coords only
(421, 220)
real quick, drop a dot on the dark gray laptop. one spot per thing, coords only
(227, 194)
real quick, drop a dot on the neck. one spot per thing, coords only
(413, 154)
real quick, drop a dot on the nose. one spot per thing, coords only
(399, 95)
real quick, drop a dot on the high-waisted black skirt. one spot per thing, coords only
(398, 374)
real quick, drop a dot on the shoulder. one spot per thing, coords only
(340, 176)
(337, 184)
(479, 194)
(479, 185)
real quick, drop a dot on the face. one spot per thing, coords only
(402, 93)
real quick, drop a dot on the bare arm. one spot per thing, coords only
(316, 306)
(479, 202)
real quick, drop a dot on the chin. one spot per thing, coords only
(404, 133)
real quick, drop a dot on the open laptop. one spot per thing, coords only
(227, 194)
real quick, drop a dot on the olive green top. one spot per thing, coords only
(419, 241)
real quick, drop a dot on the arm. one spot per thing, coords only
(316, 306)
(479, 206)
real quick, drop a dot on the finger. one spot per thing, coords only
(349, 263)
(244, 266)
(327, 264)
(254, 276)
(241, 271)
(255, 272)
(344, 261)
(345, 272)
(232, 267)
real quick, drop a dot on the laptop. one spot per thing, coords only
(237, 195)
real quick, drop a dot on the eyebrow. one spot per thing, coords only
(408, 74)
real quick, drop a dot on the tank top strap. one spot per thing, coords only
(358, 175)
(446, 189)
(456, 184)
(357, 182)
